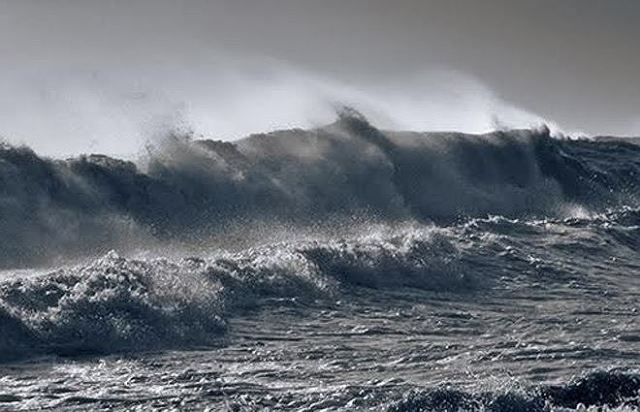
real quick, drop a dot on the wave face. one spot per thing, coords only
(192, 190)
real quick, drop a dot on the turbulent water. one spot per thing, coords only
(340, 268)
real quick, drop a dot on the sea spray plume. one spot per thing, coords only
(83, 110)
(190, 190)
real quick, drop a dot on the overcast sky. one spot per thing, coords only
(572, 62)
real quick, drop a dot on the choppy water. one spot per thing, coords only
(495, 273)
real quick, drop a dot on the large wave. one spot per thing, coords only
(189, 190)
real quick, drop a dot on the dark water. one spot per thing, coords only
(344, 268)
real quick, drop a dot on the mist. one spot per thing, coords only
(62, 112)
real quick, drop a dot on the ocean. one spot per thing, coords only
(338, 268)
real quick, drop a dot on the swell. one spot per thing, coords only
(190, 190)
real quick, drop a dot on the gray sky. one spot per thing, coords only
(573, 62)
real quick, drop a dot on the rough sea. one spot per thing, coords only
(339, 268)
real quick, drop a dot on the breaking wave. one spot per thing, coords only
(116, 304)
(189, 190)
(113, 304)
